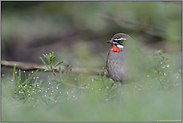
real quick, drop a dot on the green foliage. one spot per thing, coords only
(95, 99)
(49, 65)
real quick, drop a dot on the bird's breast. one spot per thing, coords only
(115, 66)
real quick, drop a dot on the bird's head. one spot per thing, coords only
(117, 41)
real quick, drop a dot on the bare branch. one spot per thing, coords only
(30, 66)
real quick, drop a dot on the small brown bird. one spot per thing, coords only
(116, 64)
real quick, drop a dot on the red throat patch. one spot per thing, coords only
(115, 49)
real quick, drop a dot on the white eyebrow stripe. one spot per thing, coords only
(120, 46)
(115, 43)
(120, 39)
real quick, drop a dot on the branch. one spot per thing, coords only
(30, 66)
(138, 26)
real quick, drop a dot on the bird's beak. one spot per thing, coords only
(111, 41)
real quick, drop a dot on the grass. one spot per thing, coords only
(154, 97)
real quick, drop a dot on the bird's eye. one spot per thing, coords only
(120, 40)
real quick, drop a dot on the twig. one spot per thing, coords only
(30, 66)
(143, 26)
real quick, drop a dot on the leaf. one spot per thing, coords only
(19, 78)
(40, 68)
(54, 56)
(47, 70)
(67, 71)
(14, 73)
(58, 63)
(60, 72)
(103, 58)
(44, 62)
(30, 77)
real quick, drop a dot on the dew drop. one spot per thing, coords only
(21, 92)
(147, 75)
(49, 83)
(168, 65)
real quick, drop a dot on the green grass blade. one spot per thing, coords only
(30, 77)
(103, 58)
(40, 68)
(14, 73)
(19, 78)
(14, 76)
(60, 72)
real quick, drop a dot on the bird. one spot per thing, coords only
(116, 59)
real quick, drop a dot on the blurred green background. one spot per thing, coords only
(78, 31)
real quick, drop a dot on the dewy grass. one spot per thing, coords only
(156, 97)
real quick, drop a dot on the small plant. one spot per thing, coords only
(51, 68)
(162, 59)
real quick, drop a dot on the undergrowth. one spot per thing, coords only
(155, 97)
